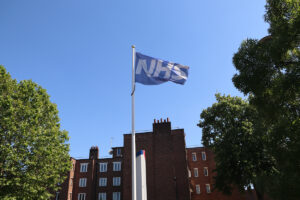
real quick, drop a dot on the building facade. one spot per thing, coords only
(201, 165)
(173, 171)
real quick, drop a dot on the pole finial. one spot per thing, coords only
(133, 46)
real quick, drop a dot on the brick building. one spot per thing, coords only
(201, 165)
(174, 172)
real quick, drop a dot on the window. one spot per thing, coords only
(70, 195)
(103, 167)
(57, 196)
(82, 182)
(207, 186)
(118, 152)
(117, 166)
(71, 181)
(116, 181)
(102, 182)
(194, 157)
(195, 172)
(83, 167)
(205, 171)
(197, 189)
(102, 196)
(190, 173)
(81, 196)
(203, 155)
(116, 195)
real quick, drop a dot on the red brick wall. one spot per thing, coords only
(166, 165)
(93, 174)
(109, 189)
(90, 179)
(203, 180)
(71, 181)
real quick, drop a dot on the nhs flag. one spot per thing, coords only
(152, 71)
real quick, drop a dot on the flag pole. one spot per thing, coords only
(133, 130)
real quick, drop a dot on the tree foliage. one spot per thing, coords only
(268, 72)
(33, 150)
(233, 130)
(270, 68)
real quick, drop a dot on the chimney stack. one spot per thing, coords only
(94, 152)
(162, 126)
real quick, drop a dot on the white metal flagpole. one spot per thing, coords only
(133, 131)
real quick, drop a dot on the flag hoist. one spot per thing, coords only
(151, 71)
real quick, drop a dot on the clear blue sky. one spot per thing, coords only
(80, 51)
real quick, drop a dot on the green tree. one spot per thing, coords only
(258, 142)
(33, 151)
(233, 130)
(269, 71)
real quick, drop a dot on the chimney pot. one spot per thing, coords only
(167, 119)
(154, 121)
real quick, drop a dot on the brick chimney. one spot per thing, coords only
(94, 152)
(162, 126)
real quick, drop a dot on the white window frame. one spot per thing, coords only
(70, 196)
(82, 182)
(117, 166)
(116, 181)
(116, 195)
(196, 173)
(103, 167)
(102, 196)
(205, 171)
(203, 155)
(102, 182)
(84, 167)
(207, 187)
(194, 156)
(81, 196)
(198, 191)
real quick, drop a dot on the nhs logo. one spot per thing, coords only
(152, 71)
